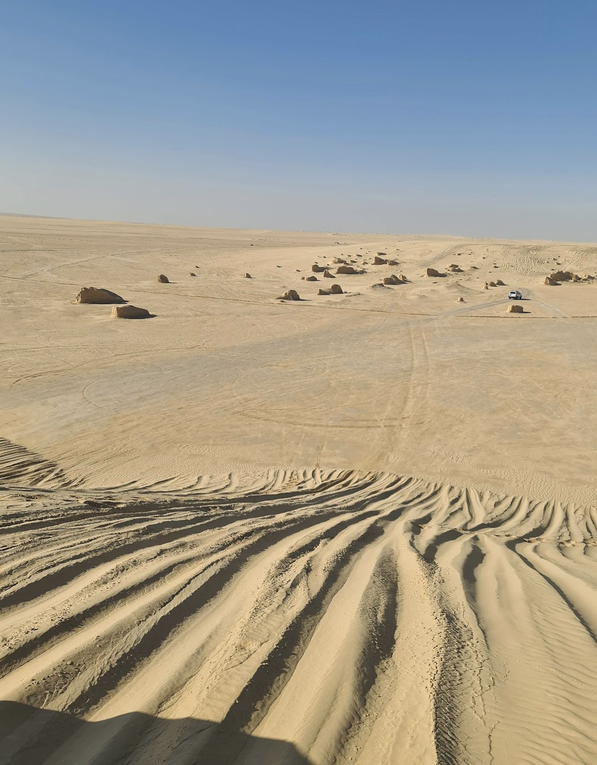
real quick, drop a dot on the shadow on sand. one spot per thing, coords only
(30, 736)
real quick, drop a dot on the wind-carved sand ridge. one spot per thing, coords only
(350, 528)
(360, 617)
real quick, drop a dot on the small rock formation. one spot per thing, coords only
(486, 286)
(514, 308)
(382, 254)
(163, 279)
(346, 270)
(392, 262)
(311, 278)
(393, 279)
(460, 300)
(290, 295)
(98, 295)
(328, 275)
(129, 312)
(455, 268)
(316, 268)
(403, 278)
(336, 289)
(433, 272)
(564, 276)
(192, 274)
(248, 276)
(377, 261)
(492, 284)
(339, 260)
(551, 282)
(500, 283)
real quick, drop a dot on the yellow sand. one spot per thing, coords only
(357, 528)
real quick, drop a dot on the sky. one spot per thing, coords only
(407, 117)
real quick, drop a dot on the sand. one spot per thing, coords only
(358, 529)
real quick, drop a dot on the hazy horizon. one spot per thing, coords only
(464, 120)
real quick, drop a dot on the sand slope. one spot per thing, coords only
(352, 528)
(361, 617)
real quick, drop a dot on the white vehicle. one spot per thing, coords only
(514, 295)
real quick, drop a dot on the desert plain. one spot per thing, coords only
(358, 527)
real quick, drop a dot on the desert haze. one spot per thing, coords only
(239, 527)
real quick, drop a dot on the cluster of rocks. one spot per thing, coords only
(553, 280)
(102, 296)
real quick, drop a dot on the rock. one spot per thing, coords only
(392, 262)
(98, 295)
(393, 279)
(346, 270)
(562, 276)
(486, 286)
(460, 300)
(339, 260)
(328, 275)
(192, 274)
(316, 268)
(310, 278)
(551, 282)
(378, 286)
(433, 272)
(163, 279)
(129, 312)
(290, 295)
(336, 289)
(382, 254)
(248, 276)
(323, 292)
(377, 261)
(492, 284)
(500, 283)
(515, 308)
(403, 278)
(455, 268)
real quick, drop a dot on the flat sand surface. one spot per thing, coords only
(356, 528)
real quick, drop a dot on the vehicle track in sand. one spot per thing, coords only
(361, 617)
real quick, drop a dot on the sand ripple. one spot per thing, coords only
(340, 618)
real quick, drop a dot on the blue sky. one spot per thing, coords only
(468, 118)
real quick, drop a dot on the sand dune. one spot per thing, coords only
(320, 532)
(362, 618)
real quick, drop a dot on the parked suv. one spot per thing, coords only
(514, 295)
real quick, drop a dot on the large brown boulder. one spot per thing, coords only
(290, 295)
(515, 308)
(336, 289)
(346, 270)
(129, 312)
(163, 279)
(433, 272)
(98, 295)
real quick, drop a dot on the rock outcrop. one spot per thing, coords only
(129, 312)
(98, 295)
(290, 295)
